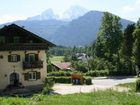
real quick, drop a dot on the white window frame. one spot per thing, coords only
(14, 58)
(32, 76)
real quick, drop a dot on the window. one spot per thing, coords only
(31, 57)
(16, 39)
(2, 39)
(32, 75)
(13, 58)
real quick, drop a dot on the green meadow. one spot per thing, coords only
(56, 59)
(107, 97)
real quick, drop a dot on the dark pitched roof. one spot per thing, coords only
(29, 33)
(44, 44)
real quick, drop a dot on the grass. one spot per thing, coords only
(131, 86)
(56, 59)
(108, 97)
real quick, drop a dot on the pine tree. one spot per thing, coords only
(127, 47)
(109, 36)
(137, 44)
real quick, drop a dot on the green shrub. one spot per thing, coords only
(48, 84)
(91, 73)
(104, 73)
(62, 79)
(138, 85)
(50, 81)
(60, 73)
(88, 81)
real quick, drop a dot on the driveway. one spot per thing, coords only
(112, 81)
(99, 83)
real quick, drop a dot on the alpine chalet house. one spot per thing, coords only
(22, 58)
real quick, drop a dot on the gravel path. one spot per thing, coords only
(99, 83)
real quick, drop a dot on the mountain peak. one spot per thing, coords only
(74, 12)
(48, 11)
(46, 15)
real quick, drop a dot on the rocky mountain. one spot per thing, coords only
(44, 28)
(46, 15)
(73, 12)
(80, 31)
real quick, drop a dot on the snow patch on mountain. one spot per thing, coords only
(74, 12)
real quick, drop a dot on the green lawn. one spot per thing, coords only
(56, 59)
(97, 98)
(131, 86)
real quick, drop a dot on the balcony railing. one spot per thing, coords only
(31, 65)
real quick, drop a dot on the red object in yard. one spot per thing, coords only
(77, 79)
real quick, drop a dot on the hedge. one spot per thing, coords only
(61, 73)
(88, 81)
(60, 79)
(68, 80)
(63, 80)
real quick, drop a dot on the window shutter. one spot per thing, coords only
(18, 57)
(26, 57)
(26, 76)
(37, 75)
(36, 57)
(9, 58)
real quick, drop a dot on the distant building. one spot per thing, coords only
(22, 58)
(82, 56)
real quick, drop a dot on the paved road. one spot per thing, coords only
(99, 83)
(110, 82)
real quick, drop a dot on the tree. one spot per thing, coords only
(116, 35)
(99, 49)
(128, 40)
(127, 47)
(137, 44)
(66, 58)
(109, 36)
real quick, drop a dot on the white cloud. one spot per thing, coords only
(137, 2)
(127, 9)
(131, 11)
(10, 18)
(132, 7)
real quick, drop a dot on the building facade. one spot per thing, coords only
(22, 58)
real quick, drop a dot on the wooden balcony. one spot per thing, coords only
(32, 65)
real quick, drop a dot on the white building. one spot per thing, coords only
(22, 58)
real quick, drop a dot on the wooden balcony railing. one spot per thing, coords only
(31, 65)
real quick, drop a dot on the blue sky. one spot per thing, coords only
(11, 10)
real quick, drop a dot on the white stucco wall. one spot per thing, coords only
(6, 68)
